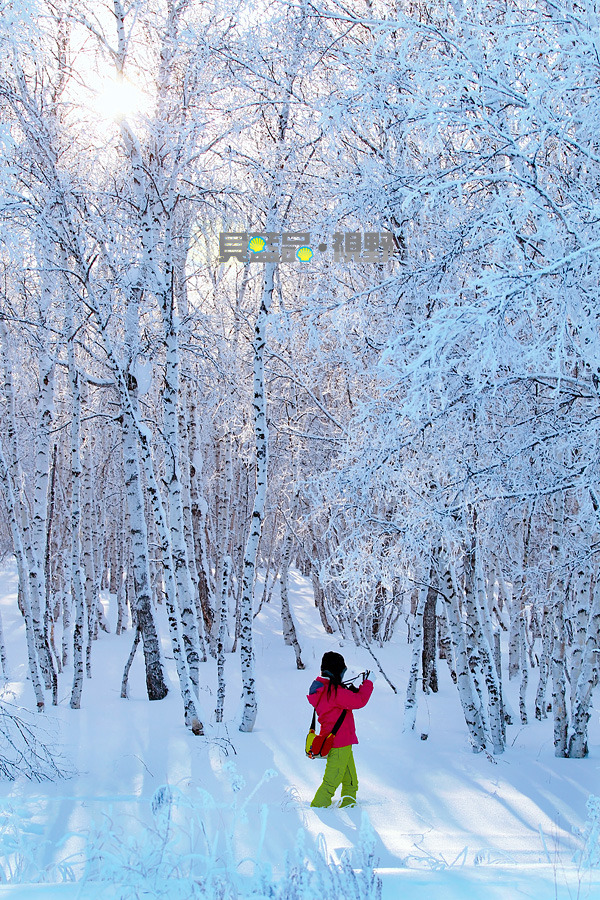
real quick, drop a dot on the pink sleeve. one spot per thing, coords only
(349, 700)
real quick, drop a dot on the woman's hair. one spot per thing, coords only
(333, 667)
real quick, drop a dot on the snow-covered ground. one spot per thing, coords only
(442, 822)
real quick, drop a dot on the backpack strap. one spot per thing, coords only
(337, 725)
(339, 722)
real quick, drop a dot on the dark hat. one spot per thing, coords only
(333, 666)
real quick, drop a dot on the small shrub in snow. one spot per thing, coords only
(589, 856)
(23, 753)
(189, 848)
(310, 874)
(187, 852)
(22, 849)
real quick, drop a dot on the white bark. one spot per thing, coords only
(66, 615)
(51, 604)
(192, 718)
(319, 595)
(485, 636)
(514, 639)
(474, 642)
(261, 437)
(468, 697)
(87, 552)
(3, 659)
(199, 508)
(156, 686)
(185, 588)
(581, 613)
(186, 458)
(290, 636)
(515, 661)
(128, 664)
(76, 580)
(121, 563)
(39, 513)
(524, 669)
(559, 704)
(588, 675)
(498, 664)
(446, 642)
(410, 703)
(559, 688)
(546, 655)
(34, 551)
(221, 638)
(13, 518)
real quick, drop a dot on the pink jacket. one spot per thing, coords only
(329, 708)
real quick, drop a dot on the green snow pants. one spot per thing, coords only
(340, 769)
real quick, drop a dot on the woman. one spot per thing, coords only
(329, 697)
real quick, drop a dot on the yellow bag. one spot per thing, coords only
(309, 741)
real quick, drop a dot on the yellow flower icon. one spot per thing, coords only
(304, 254)
(256, 244)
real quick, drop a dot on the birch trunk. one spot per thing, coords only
(32, 547)
(261, 438)
(185, 589)
(546, 655)
(122, 566)
(76, 580)
(524, 670)
(66, 615)
(99, 531)
(128, 664)
(581, 603)
(155, 682)
(590, 664)
(192, 718)
(498, 665)
(517, 603)
(289, 629)
(559, 704)
(189, 434)
(446, 641)
(514, 639)
(3, 659)
(39, 515)
(468, 697)
(222, 637)
(186, 472)
(199, 510)
(491, 673)
(319, 596)
(13, 518)
(559, 688)
(484, 636)
(430, 679)
(473, 636)
(49, 613)
(87, 552)
(410, 704)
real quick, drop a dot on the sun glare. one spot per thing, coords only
(119, 99)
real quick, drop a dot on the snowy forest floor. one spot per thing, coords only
(443, 822)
